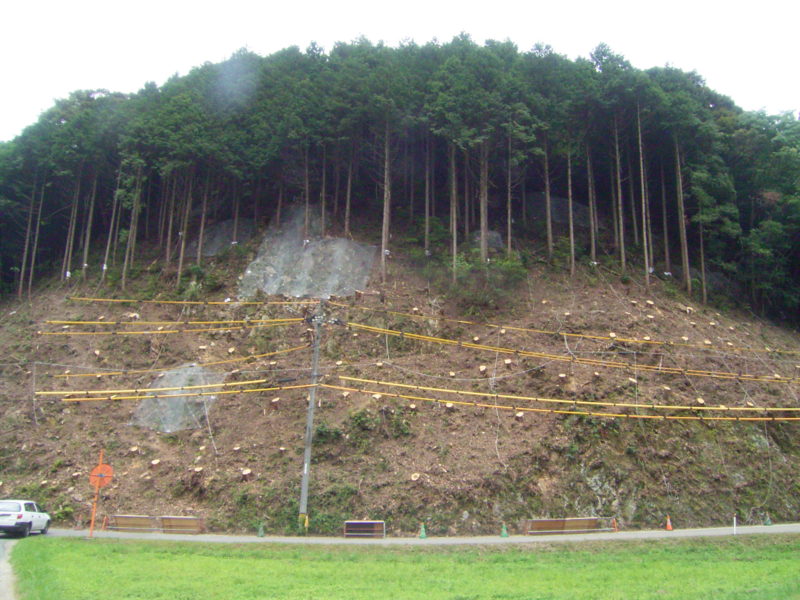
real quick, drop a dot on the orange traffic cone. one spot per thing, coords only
(669, 524)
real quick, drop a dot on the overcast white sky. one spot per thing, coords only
(48, 49)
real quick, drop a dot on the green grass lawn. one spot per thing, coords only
(749, 567)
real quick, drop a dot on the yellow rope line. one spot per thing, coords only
(145, 390)
(438, 401)
(237, 321)
(556, 411)
(570, 402)
(192, 302)
(216, 393)
(162, 370)
(576, 360)
(162, 331)
(559, 333)
(208, 364)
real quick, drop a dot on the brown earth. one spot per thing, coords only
(459, 469)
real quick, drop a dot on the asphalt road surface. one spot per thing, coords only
(6, 575)
(438, 541)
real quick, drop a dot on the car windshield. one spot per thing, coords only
(12, 506)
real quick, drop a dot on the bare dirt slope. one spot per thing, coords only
(554, 365)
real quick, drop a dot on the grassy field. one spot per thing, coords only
(751, 567)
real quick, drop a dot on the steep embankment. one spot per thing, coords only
(529, 430)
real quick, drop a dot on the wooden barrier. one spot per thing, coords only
(371, 529)
(571, 525)
(135, 523)
(182, 524)
(138, 523)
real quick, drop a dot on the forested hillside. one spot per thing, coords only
(443, 140)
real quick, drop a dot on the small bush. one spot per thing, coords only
(484, 287)
(363, 420)
(324, 433)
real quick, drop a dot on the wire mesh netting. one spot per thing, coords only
(292, 264)
(169, 411)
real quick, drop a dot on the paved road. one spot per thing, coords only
(6, 575)
(7, 582)
(438, 541)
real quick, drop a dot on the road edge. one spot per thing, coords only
(7, 579)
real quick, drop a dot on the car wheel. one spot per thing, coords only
(46, 527)
(26, 531)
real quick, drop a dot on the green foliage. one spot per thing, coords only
(483, 287)
(399, 425)
(247, 130)
(753, 567)
(324, 433)
(363, 420)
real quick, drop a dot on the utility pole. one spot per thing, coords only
(316, 320)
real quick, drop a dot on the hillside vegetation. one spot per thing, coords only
(588, 353)
(561, 321)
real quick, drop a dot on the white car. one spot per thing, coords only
(20, 517)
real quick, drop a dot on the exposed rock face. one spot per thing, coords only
(560, 209)
(220, 236)
(314, 267)
(182, 412)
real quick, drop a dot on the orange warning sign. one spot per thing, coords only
(101, 475)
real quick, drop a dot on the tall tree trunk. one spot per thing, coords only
(645, 242)
(524, 199)
(467, 199)
(612, 179)
(632, 201)
(433, 182)
(306, 192)
(66, 264)
(130, 247)
(571, 219)
(28, 229)
(592, 206)
(348, 196)
(411, 190)
(703, 280)
(664, 226)
(548, 207)
(323, 188)
(620, 203)
(203, 209)
(427, 235)
(171, 219)
(147, 211)
(87, 238)
(236, 203)
(387, 201)
(162, 212)
(138, 200)
(82, 219)
(453, 206)
(279, 210)
(35, 248)
(484, 201)
(649, 221)
(405, 171)
(257, 200)
(112, 226)
(508, 201)
(687, 276)
(337, 180)
(185, 228)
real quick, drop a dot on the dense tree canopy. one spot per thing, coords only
(483, 137)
